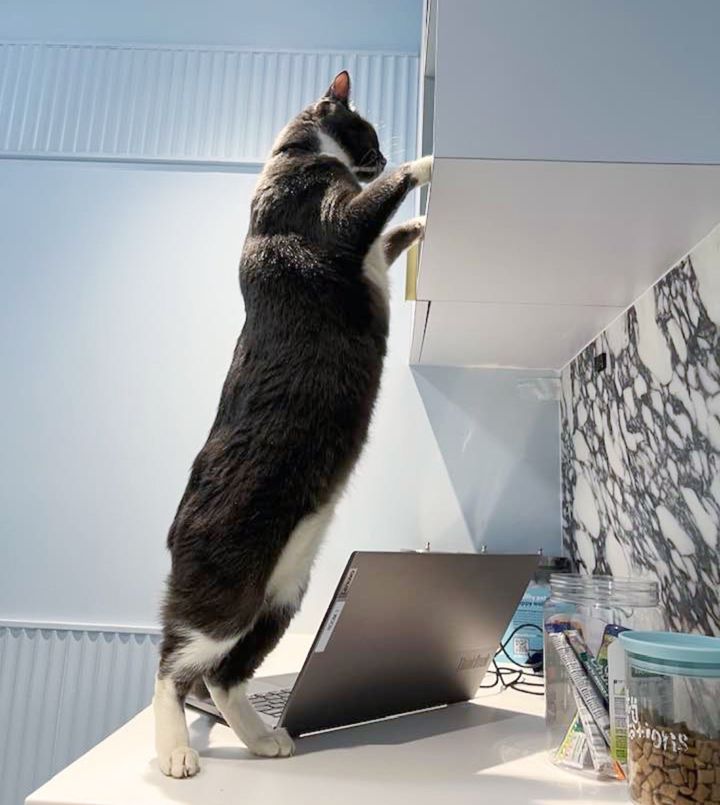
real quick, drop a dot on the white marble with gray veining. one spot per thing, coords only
(641, 443)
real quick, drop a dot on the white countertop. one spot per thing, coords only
(490, 751)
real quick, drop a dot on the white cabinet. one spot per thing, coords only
(577, 147)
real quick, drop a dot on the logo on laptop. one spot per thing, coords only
(473, 659)
(349, 579)
(329, 627)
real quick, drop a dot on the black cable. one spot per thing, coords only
(498, 672)
(519, 683)
(497, 678)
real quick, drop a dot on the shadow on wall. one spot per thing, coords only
(498, 432)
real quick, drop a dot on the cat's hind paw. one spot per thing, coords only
(277, 743)
(181, 762)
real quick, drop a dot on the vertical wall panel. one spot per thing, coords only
(61, 691)
(185, 103)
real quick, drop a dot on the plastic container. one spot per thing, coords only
(582, 618)
(673, 689)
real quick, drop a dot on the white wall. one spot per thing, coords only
(119, 313)
(498, 435)
(120, 309)
(313, 24)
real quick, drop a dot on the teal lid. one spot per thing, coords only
(673, 652)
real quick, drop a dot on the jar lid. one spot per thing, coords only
(567, 583)
(605, 590)
(673, 652)
(624, 591)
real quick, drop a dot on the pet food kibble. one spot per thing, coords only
(676, 777)
(675, 770)
(656, 759)
(706, 751)
(656, 779)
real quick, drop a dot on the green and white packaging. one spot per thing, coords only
(617, 693)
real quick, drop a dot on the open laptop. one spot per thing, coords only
(404, 632)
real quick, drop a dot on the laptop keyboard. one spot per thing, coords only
(270, 704)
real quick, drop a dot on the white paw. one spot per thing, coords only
(275, 744)
(421, 169)
(181, 762)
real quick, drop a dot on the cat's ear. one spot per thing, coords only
(339, 90)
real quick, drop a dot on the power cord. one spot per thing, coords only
(523, 674)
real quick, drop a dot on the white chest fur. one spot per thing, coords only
(375, 268)
(290, 577)
(331, 148)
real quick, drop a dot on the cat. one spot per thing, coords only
(293, 414)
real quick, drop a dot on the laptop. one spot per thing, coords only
(405, 631)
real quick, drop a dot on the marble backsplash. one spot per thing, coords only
(641, 443)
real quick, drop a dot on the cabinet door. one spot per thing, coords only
(589, 80)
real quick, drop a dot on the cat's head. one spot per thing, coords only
(345, 134)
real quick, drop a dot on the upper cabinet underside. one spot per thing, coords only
(577, 151)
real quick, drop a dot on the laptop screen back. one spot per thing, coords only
(406, 631)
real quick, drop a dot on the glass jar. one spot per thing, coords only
(583, 617)
(564, 606)
(673, 727)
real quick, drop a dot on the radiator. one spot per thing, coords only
(63, 689)
(186, 103)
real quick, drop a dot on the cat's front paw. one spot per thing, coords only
(181, 762)
(421, 170)
(277, 743)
